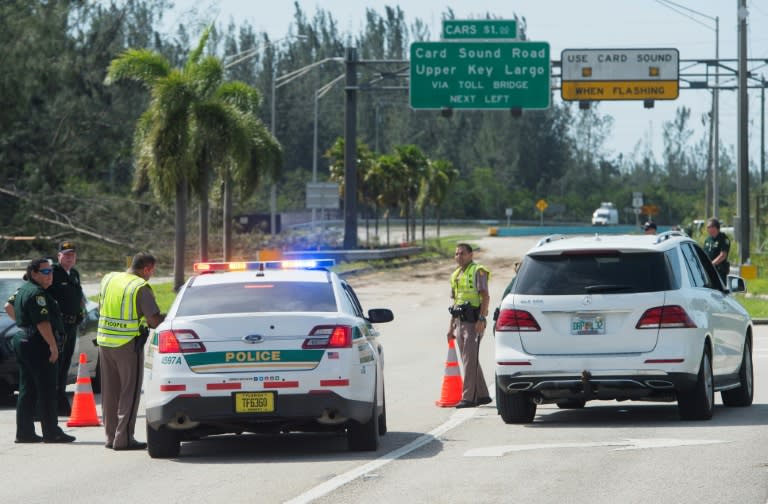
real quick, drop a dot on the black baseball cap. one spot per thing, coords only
(67, 246)
(649, 225)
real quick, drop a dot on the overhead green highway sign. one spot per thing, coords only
(480, 75)
(483, 29)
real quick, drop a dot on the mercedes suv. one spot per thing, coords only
(621, 318)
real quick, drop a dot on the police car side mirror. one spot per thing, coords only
(379, 315)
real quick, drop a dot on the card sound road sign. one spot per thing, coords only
(480, 75)
(620, 74)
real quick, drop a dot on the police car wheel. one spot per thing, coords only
(162, 443)
(364, 436)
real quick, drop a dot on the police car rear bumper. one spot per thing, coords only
(289, 408)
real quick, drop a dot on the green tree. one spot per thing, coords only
(194, 122)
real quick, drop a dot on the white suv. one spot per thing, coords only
(265, 347)
(621, 317)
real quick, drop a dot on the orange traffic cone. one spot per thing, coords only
(452, 384)
(84, 405)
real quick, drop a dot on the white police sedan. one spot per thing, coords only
(265, 347)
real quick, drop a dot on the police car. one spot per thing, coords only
(265, 347)
(621, 318)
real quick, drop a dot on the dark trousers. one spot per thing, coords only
(37, 385)
(64, 362)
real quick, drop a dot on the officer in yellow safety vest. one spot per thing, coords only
(469, 292)
(126, 303)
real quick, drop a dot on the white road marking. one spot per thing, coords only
(332, 484)
(628, 444)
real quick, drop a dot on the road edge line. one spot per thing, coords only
(332, 484)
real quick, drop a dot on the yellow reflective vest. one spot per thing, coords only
(464, 288)
(119, 319)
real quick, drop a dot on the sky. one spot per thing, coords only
(566, 24)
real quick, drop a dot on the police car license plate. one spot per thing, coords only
(587, 325)
(254, 402)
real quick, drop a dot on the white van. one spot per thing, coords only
(606, 215)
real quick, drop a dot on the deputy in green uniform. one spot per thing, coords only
(68, 292)
(38, 318)
(717, 245)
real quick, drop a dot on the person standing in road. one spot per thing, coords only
(717, 245)
(126, 304)
(68, 292)
(469, 292)
(38, 319)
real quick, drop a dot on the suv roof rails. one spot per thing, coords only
(666, 235)
(550, 238)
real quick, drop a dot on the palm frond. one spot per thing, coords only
(139, 65)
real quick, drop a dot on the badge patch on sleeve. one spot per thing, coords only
(40, 300)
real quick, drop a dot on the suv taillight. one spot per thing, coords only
(179, 341)
(516, 320)
(665, 317)
(329, 337)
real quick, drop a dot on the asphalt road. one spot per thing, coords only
(607, 453)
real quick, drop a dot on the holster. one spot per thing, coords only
(140, 340)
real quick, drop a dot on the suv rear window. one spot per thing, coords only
(595, 273)
(257, 297)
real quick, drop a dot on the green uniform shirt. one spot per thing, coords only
(33, 305)
(713, 246)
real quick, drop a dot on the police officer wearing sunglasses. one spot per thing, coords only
(38, 318)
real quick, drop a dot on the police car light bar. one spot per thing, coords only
(210, 267)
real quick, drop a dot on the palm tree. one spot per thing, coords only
(415, 163)
(194, 123)
(434, 189)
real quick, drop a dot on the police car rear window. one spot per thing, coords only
(593, 273)
(257, 297)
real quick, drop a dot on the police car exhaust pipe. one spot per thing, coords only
(516, 387)
(331, 417)
(182, 422)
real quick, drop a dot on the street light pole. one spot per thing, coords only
(715, 144)
(742, 179)
(245, 55)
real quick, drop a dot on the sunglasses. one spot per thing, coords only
(45, 271)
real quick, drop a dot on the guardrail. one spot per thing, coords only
(354, 255)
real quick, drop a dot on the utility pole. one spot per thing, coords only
(350, 150)
(742, 180)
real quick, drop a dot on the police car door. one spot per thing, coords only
(364, 335)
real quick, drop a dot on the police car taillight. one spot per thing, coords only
(179, 341)
(338, 336)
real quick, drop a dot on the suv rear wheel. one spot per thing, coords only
(742, 396)
(699, 402)
(515, 408)
(571, 403)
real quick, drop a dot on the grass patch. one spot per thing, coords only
(757, 307)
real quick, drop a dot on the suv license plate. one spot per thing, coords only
(254, 402)
(587, 325)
